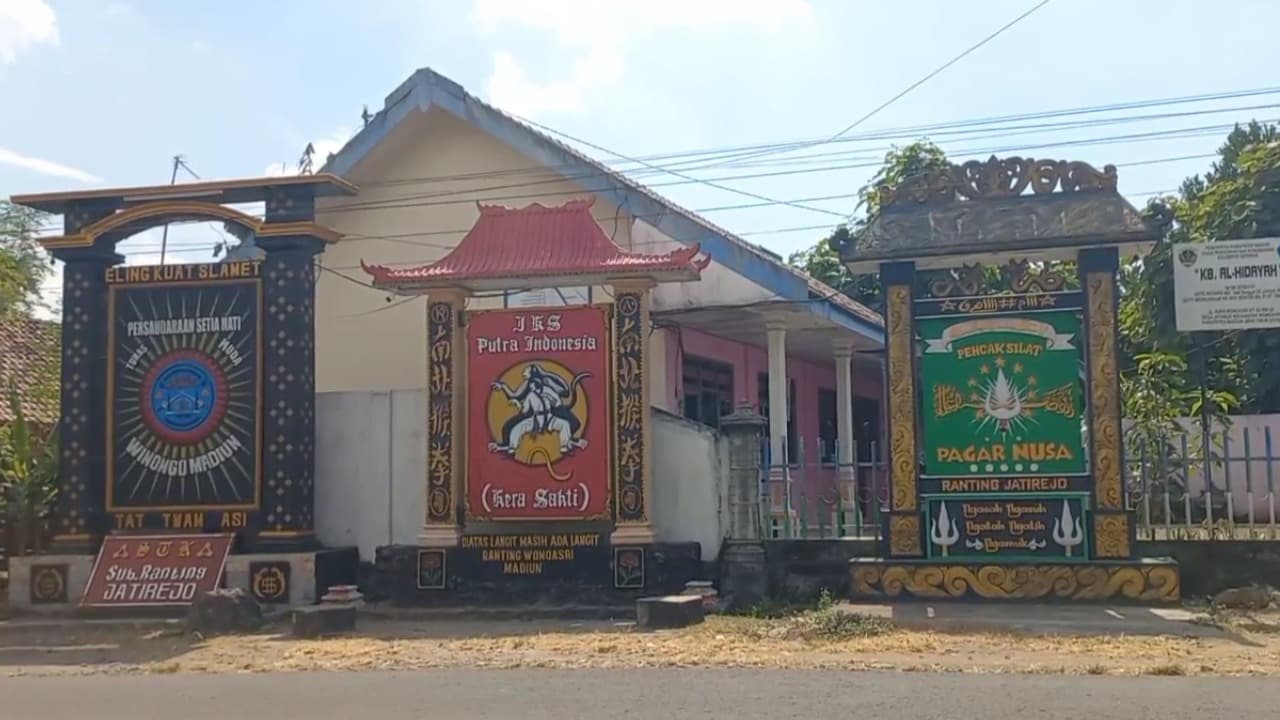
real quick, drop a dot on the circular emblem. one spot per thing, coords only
(537, 414)
(184, 397)
(269, 583)
(47, 586)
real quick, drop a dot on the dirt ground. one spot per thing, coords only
(1250, 645)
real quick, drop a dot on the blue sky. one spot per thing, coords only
(99, 92)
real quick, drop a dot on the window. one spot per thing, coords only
(707, 386)
(866, 429)
(828, 427)
(792, 440)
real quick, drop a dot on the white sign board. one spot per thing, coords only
(1227, 285)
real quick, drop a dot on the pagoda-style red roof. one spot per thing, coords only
(561, 245)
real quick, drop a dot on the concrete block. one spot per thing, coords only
(319, 620)
(64, 578)
(301, 577)
(669, 611)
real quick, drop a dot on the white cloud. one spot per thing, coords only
(323, 147)
(24, 23)
(600, 37)
(46, 167)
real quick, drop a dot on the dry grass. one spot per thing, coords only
(720, 642)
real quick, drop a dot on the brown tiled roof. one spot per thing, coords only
(28, 352)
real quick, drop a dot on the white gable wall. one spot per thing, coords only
(418, 193)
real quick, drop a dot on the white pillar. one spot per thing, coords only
(778, 386)
(843, 353)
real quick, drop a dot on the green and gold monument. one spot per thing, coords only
(1005, 456)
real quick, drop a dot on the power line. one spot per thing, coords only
(727, 154)
(405, 238)
(934, 73)
(940, 69)
(473, 195)
(678, 174)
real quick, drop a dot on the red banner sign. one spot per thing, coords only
(538, 414)
(156, 570)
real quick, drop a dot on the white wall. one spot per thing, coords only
(371, 473)
(370, 468)
(688, 477)
(1245, 472)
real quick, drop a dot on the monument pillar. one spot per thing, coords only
(79, 520)
(903, 533)
(633, 484)
(288, 389)
(445, 416)
(1113, 531)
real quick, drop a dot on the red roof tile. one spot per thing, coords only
(28, 355)
(565, 241)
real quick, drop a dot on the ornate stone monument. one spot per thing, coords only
(187, 390)
(1006, 460)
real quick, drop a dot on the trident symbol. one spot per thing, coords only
(1066, 531)
(944, 533)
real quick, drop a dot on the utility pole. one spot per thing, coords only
(173, 179)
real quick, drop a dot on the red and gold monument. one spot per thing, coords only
(537, 433)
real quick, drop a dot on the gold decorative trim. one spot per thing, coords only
(186, 209)
(1156, 583)
(902, 398)
(1104, 400)
(1111, 535)
(962, 281)
(904, 536)
(1022, 279)
(996, 179)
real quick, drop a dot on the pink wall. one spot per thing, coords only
(749, 362)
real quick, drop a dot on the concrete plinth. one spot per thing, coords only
(744, 577)
(1149, 580)
(669, 611)
(297, 578)
(321, 620)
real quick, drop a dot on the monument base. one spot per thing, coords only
(48, 584)
(1146, 580)
(494, 571)
(54, 584)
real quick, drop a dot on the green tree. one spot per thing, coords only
(23, 264)
(822, 262)
(1239, 197)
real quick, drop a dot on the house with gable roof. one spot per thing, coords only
(752, 331)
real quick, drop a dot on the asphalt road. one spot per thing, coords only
(684, 694)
